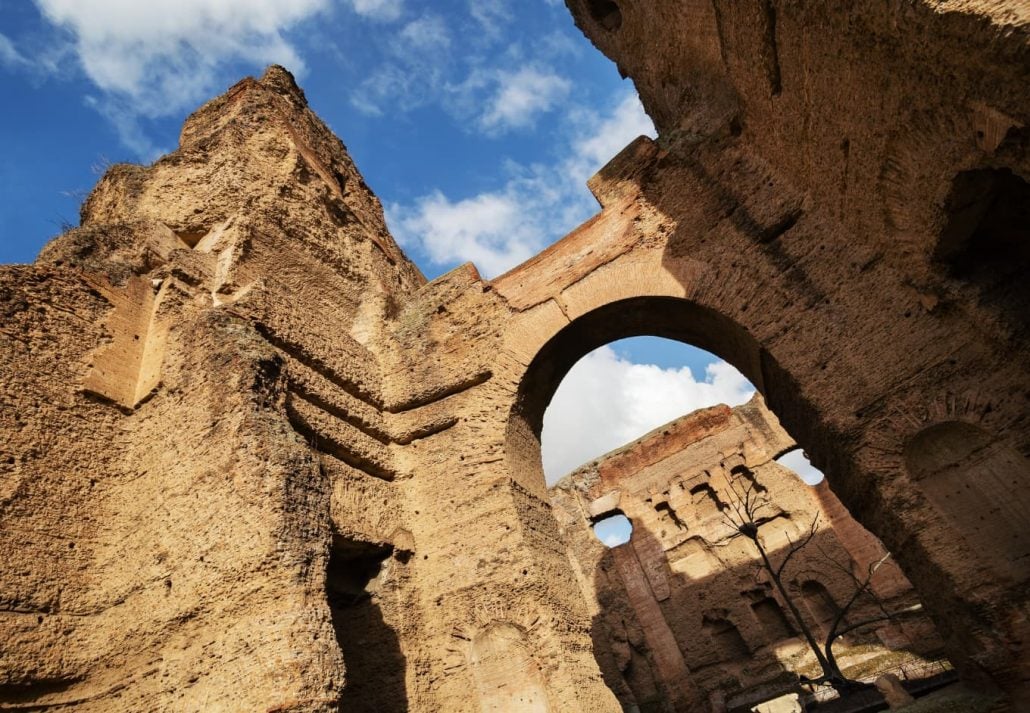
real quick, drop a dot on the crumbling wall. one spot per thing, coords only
(692, 584)
(245, 447)
(229, 380)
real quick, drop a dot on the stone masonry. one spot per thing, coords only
(252, 460)
(681, 614)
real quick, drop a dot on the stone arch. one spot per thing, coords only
(559, 323)
(976, 483)
(653, 315)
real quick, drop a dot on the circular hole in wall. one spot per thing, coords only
(613, 530)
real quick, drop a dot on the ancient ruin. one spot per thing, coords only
(252, 460)
(681, 616)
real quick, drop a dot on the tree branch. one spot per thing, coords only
(885, 617)
(802, 543)
(863, 585)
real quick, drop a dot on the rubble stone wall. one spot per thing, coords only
(243, 437)
(683, 613)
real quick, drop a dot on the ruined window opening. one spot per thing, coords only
(613, 529)
(796, 461)
(820, 603)
(769, 614)
(706, 501)
(988, 217)
(605, 13)
(745, 473)
(726, 640)
(986, 239)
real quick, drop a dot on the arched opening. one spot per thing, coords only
(797, 462)
(726, 642)
(985, 241)
(375, 665)
(678, 484)
(706, 502)
(623, 390)
(771, 617)
(988, 219)
(670, 318)
(978, 485)
(820, 604)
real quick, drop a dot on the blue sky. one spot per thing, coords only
(477, 122)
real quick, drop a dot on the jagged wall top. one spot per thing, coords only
(256, 155)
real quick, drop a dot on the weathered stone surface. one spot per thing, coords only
(784, 704)
(165, 529)
(234, 414)
(709, 623)
(896, 696)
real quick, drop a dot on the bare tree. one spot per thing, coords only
(748, 510)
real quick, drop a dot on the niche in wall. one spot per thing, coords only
(375, 666)
(980, 487)
(605, 13)
(985, 241)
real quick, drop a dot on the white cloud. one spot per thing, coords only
(156, 58)
(392, 88)
(606, 401)
(520, 96)
(9, 54)
(487, 229)
(412, 74)
(164, 53)
(611, 134)
(428, 32)
(490, 14)
(498, 229)
(385, 10)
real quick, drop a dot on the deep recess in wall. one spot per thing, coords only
(375, 665)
